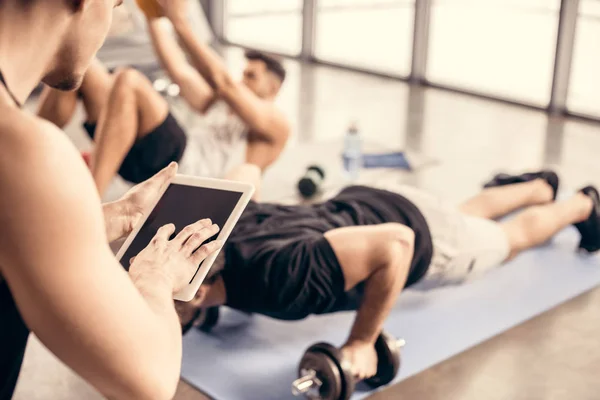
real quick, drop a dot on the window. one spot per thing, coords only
(584, 90)
(501, 48)
(369, 34)
(271, 25)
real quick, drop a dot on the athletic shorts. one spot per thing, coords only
(153, 152)
(464, 246)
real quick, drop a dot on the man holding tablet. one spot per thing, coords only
(58, 276)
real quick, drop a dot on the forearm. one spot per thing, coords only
(194, 89)
(169, 54)
(158, 296)
(149, 363)
(382, 289)
(206, 60)
(156, 291)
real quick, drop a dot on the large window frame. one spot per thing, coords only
(557, 105)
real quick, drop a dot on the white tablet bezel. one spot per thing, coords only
(246, 189)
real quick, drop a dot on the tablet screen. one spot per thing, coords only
(183, 205)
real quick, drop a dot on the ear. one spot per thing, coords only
(274, 85)
(200, 295)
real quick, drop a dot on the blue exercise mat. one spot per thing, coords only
(255, 358)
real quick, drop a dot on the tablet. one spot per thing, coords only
(185, 201)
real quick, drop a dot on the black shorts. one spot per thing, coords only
(153, 152)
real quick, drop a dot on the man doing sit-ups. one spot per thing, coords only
(136, 135)
(360, 249)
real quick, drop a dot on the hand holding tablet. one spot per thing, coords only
(177, 259)
(176, 236)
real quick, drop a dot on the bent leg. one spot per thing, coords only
(380, 256)
(498, 201)
(95, 90)
(57, 106)
(134, 110)
(536, 225)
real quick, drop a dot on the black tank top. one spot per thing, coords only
(12, 96)
(13, 331)
(277, 263)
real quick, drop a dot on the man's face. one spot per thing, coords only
(258, 79)
(88, 28)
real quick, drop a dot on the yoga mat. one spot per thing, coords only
(255, 358)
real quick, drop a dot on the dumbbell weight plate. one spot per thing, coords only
(388, 364)
(325, 359)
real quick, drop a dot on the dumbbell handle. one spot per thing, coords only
(310, 380)
(305, 383)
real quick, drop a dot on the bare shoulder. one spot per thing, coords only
(44, 184)
(33, 147)
(27, 134)
(38, 162)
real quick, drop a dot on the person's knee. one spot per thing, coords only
(127, 79)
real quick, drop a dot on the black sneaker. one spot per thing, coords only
(504, 179)
(590, 228)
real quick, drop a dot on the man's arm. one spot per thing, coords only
(124, 338)
(380, 256)
(263, 152)
(265, 121)
(247, 173)
(194, 89)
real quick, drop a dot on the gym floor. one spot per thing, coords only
(549, 357)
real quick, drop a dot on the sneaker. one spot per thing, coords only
(504, 179)
(590, 228)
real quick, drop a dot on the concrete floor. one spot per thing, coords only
(469, 137)
(554, 356)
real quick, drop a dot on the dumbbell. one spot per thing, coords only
(311, 182)
(166, 88)
(323, 375)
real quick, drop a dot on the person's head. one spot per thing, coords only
(85, 24)
(264, 74)
(200, 298)
(189, 312)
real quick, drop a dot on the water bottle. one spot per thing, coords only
(352, 155)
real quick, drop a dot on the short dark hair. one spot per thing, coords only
(272, 62)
